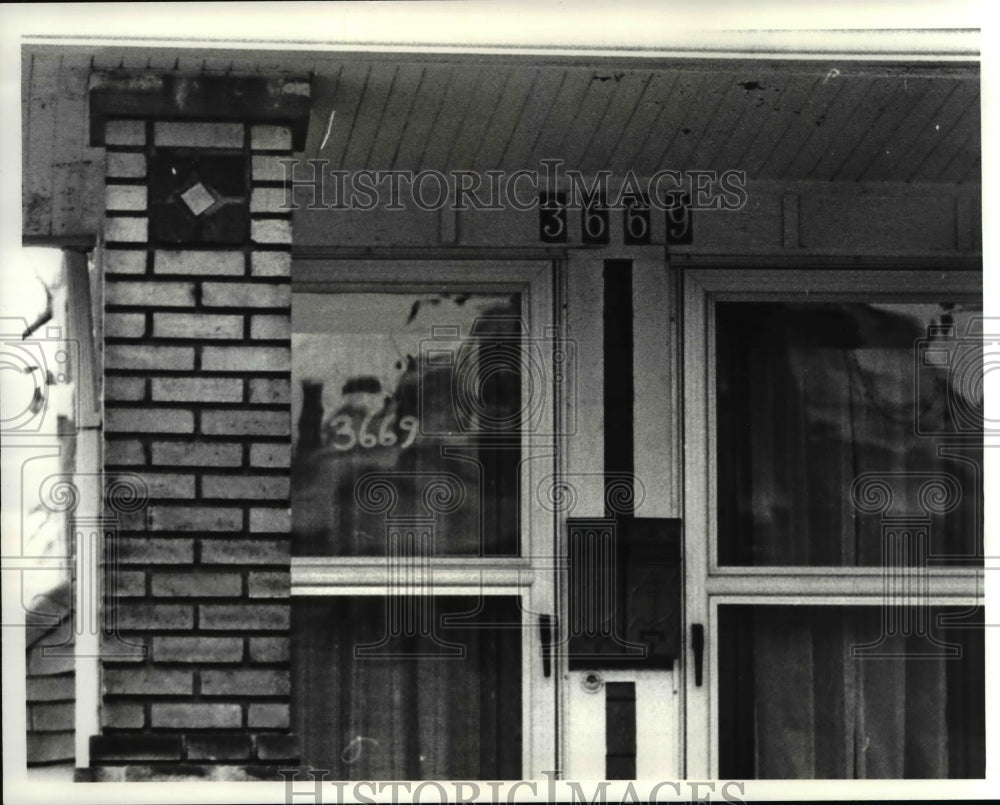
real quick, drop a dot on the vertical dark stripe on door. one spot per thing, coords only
(619, 730)
(618, 373)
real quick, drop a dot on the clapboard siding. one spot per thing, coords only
(50, 680)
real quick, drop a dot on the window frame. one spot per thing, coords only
(709, 584)
(529, 576)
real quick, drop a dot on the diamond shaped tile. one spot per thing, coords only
(198, 198)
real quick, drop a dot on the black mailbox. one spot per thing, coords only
(624, 592)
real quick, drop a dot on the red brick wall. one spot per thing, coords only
(197, 368)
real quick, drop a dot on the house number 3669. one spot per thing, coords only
(345, 437)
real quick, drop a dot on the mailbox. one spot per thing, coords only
(624, 592)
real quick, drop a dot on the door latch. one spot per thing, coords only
(698, 647)
(545, 636)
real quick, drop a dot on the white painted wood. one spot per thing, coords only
(839, 599)
(697, 744)
(657, 722)
(87, 593)
(655, 409)
(585, 327)
(585, 727)
(582, 452)
(331, 576)
(735, 284)
(81, 308)
(942, 583)
(657, 725)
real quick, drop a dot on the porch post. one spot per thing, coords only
(196, 386)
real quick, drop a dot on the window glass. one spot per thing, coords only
(409, 687)
(851, 692)
(406, 405)
(834, 419)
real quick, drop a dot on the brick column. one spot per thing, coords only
(197, 374)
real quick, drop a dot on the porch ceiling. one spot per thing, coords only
(821, 119)
(785, 121)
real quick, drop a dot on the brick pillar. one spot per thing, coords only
(197, 374)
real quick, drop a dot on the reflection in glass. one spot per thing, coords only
(423, 390)
(813, 396)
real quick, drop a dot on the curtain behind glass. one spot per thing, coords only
(435, 713)
(812, 396)
(794, 704)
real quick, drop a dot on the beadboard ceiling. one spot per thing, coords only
(795, 122)
(816, 120)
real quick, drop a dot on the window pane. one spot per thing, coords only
(406, 405)
(389, 689)
(795, 701)
(813, 398)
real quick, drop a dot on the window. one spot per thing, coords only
(834, 500)
(420, 387)
(423, 404)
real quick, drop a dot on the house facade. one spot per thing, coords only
(484, 417)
